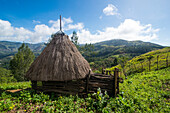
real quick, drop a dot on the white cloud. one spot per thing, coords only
(36, 22)
(128, 30)
(68, 20)
(7, 32)
(110, 10)
(77, 26)
(40, 33)
(66, 24)
(5, 28)
(101, 17)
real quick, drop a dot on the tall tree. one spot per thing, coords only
(87, 48)
(74, 38)
(21, 62)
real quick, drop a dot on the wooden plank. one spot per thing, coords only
(101, 81)
(100, 78)
(101, 75)
(60, 91)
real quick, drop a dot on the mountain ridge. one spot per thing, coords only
(101, 50)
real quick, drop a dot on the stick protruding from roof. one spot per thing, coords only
(60, 24)
(60, 32)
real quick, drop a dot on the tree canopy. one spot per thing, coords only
(21, 62)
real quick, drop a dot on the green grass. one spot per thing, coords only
(147, 91)
(143, 92)
(15, 85)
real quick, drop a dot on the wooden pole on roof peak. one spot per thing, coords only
(60, 24)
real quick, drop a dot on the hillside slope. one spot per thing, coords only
(158, 59)
(146, 92)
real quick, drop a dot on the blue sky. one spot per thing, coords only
(94, 20)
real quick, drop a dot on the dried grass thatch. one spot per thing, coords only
(59, 61)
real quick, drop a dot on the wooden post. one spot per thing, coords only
(149, 64)
(107, 72)
(102, 71)
(87, 81)
(34, 84)
(110, 73)
(60, 24)
(157, 62)
(167, 61)
(141, 65)
(115, 82)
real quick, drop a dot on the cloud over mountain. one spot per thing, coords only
(128, 30)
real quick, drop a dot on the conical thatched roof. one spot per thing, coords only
(59, 61)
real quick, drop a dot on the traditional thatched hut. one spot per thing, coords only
(59, 61)
(62, 69)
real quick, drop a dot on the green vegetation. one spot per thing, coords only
(15, 85)
(147, 92)
(6, 76)
(150, 61)
(142, 92)
(21, 62)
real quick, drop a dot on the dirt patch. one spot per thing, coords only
(15, 90)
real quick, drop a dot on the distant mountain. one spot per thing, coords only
(101, 52)
(119, 42)
(105, 52)
(13, 46)
(8, 49)
(119, 46)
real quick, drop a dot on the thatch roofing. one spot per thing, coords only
(59, 61)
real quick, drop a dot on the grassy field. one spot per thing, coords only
(141, 63)
(142, 92)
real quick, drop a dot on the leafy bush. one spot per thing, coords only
(6, 76)
(15, 85)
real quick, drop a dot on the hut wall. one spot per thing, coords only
(81, 87)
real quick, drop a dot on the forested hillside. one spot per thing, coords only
(107, 53)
